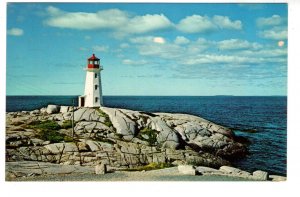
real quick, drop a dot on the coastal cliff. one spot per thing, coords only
(119, 138)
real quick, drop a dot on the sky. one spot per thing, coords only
(148, 49)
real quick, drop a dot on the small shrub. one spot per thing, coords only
(102, 113)
(45, 125)
(66, 124)
(52, 136)
(68, 139)
(150, 133)
(47, 130)
(107, 121)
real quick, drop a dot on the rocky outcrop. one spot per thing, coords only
(118, 138)
(51, 109)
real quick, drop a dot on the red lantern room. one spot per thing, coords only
(93, 62)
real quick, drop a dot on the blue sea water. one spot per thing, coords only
(265, 114)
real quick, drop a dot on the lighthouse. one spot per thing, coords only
(92, 91)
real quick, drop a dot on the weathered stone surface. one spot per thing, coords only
(31, 168)
(51, 109)
(112, 136)
(61, 147)
(37, 142)
(187, 169)
(87, 114)
(35, 112)
(234, 171)
(206, 170)
(277, 178)
(100, 169)
(123, 124)
(64, 109)
(260, 175)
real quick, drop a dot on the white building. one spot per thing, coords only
(93, 90)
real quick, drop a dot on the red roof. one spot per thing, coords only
(93, 58)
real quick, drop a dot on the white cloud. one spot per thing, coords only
(237, 44)
(276, 33)
(200, 52)
(134, 62)
(142, 39)
(15, 32)
(124, 45)
(223, 22)
(149, 46)
(105, 19)
(159, 40)
(148, 40)
(198, 24)
(234, 59)
(146, 23)
(100, 48)
(181, 40)
(269, 21)
(123, 23)
(114, 19)
(195, 23)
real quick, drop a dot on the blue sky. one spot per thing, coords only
(148, 49)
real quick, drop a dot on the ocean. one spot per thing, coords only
(267, 115)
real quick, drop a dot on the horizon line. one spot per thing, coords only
(155, 95)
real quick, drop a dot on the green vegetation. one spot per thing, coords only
(151, 166)
(107, 121)
(66, 124)
(44, 125)
(50, 135)
(48, 131)
(150, 133)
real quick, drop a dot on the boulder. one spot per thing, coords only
(206, 170)
(234, 171)
(260, 175)
(187, 169)
(51, 109)
(93, 145)
(123, 124)
(100, 169)
(86, 114)
(277, 178)
(64, 109)
(36, 142)
(34, 112)
(57, 148)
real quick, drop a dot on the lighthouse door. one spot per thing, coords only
(82, 101)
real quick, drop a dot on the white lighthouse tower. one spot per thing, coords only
(93, 91)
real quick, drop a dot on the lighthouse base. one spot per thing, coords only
(81, 100)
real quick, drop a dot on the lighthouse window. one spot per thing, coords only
(91, 62)
(96, 99)
(96, 87)
(95, 75)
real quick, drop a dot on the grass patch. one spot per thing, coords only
(44, 125)
(107, 121)
(151, 166)
(48, 131)
(66, 124)
(151, 139)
